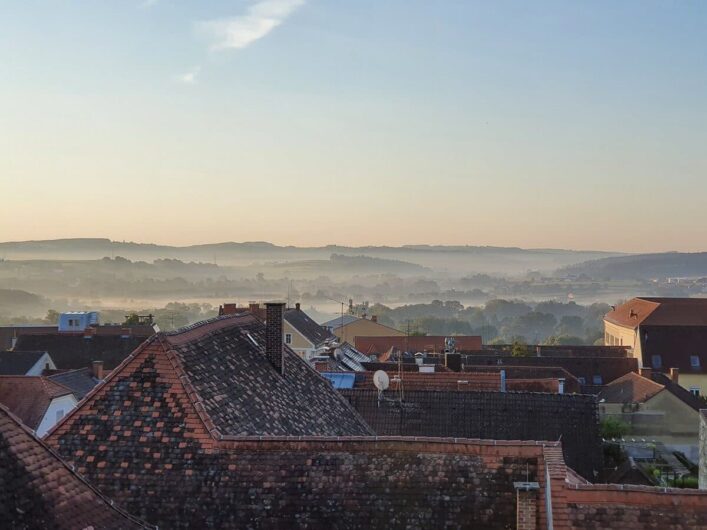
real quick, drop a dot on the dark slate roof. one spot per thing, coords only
(38, 490)
(80, 381)
(76, 351)
(242, 393)
(18, 363)
(28, 397)
(573, 418)
(676, 346)
(312, 331)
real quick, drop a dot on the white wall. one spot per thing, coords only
(63, 403)
(41, 364)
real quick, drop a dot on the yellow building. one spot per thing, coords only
(664, 333)
(663, 413)
(303, 335)
(348, 327)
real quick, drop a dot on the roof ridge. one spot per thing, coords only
(202, 323)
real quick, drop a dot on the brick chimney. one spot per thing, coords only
(297, 306)
(273, 334)
(526, 505)
(675, 375)
(646, 372)
(374, 318)
(97, 369)
(254, 307)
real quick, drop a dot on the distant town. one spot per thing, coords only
(248, 417)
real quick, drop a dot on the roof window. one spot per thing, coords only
(656, 361)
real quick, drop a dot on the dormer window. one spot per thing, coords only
(288, 338)
(695, 361)
(656, 361)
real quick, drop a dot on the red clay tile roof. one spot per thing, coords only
(217, 371)
(630, 388)
(660, 312)
(38, 490)
(28, 397)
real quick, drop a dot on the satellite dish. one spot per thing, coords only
(380, 380)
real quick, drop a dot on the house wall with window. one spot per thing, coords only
(663, 418)
(364, 327)
(615, 335)
(297, 342)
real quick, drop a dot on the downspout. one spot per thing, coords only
(548, 497)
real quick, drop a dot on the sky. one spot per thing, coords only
(561, 124)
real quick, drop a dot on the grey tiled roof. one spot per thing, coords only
(80, 381)
(18, 363)
(335, 323)
(312, 331)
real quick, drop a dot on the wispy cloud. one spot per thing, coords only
(145, 4)
(241, 31)
(189, 78)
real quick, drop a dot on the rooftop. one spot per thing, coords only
(72, 350)
(660, 312)
(80, 381)
(28, 397)
(18, 363)
(311, 331)
(38, 490)
(630, 388)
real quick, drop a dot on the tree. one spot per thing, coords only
(519, 349)
(613, 428)
(52, 316)
(132, 320)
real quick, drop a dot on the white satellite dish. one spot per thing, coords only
(380, 380)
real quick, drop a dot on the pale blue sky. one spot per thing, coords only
(536, 124)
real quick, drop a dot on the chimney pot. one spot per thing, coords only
(675, 375)
(374, 318)
(273, 335)
(97, 369)
(297, 306)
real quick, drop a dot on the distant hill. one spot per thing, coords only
(17, 301)
(341, 264)
(642, 266)
(448, 259)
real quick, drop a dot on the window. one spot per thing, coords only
(695, 361)
(288, 338)
(656, 361)
(597, 380)
(59, 414)
(695, 390)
